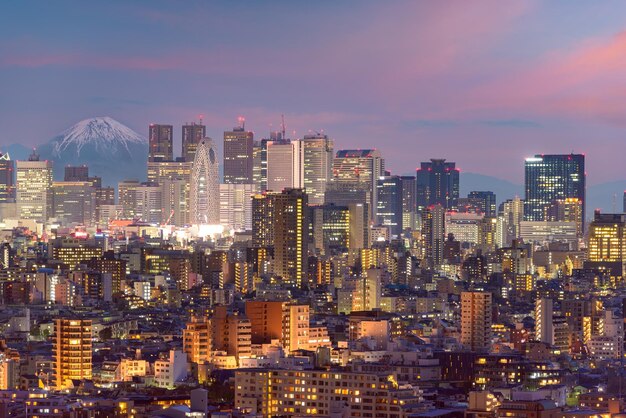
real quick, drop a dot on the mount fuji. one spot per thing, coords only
(112, 150)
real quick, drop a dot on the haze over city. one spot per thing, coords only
(290, 209)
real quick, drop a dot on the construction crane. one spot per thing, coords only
(168, 219)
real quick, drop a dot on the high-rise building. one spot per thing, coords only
(362, 167)
(193, 133)
(567, 210)
(409, 202)
(74, 202)
(160, 142)
(7, 183)
(317, 163)
(291, 229)
(437, 184)
(488, 202)
(71, 352)
(205, 192)
(552, 177)
(543, 321)
(606, 249)
(259, 165)
(284, 165)
(238, 156)
(510, 217)
(263, 220)
(476, 317)
(175, 201)
(389, 211)
(34, 188)
(140, 201)
(236, 206)
(433, 233)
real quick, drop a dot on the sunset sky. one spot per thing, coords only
(482, 83)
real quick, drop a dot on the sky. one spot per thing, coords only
(482, 83)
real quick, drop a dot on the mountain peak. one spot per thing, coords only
(102, 132)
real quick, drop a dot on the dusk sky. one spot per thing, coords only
(482, 83)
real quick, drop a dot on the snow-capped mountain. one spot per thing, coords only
(112, 150)
(102, 133)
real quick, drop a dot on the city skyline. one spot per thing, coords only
(454, 90)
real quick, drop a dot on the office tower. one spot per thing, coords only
(291, 229)
(34, 193)
(433, 232)
(74, 202)
(174, 177)
(510, 217)
(7, 184)
(284, 165)
(543, 321)
(552, 177)
(317, 164)
(263, 220)
(337, 229)
(236, 206)
(204, 195)
(567, 210)
(175, 201)
(140, 201)
(437, 184)
(476, 320)
(160, 142)
(606, 248)
(389, 209)
(192, 135)
(409, 202)
(464, 226)
(238, 155)
(71, 352)
(259, 165)
(362, 167)
(74, 251)
(488, 202)
(76, 173)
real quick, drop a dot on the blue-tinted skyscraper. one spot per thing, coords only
(488, 202)
(552, 177)
(389, 210)
(437, 184)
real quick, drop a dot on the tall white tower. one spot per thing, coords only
(204, 196)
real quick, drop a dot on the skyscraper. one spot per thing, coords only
(7, 185)
(284, 165)
(552, 177)
(34, 192)
(259, 165)
(389, 210)
(238, 158)
(193, 133)
(74, 202)
(317, 161)
(361, 167)
(281, 220)
(205, 193)
(433, 231)
(606, 249)
(71, 351)
(437, 184)
(409, 202)
(160, 142)
(476, 320)
(488, 202)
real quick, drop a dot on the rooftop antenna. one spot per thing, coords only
(242, 122)
(201, 117)
(283, 125)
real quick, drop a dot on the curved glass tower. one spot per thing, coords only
(204, 196)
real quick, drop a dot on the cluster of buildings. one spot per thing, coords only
(306, 281)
